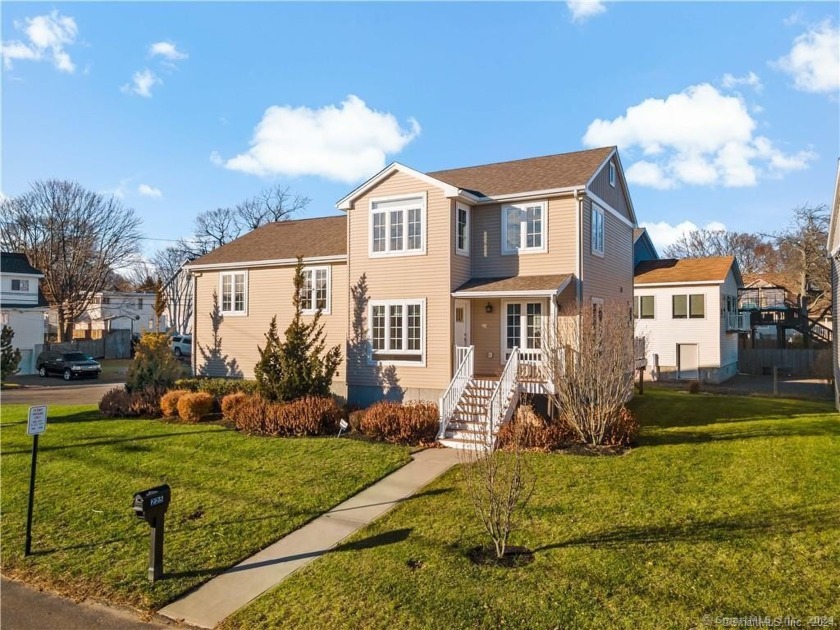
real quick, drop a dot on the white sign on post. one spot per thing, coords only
(37, 420)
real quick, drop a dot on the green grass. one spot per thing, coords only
(231, 496)
(730, 506)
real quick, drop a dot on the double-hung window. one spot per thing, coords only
(397, 330)
(20, 285)
(315, 293)
(397, 226)
(234, 292)
(643, 307)
(524, 227)
(597, 228)
(689, 306)
(462, 229)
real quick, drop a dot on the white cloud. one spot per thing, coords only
(664, 234)
(149, 191)
(344, 143)
(814, 60)
(696, 137)
(142, 83)
(750, 80)
(582, 10)
(48, 35)
(167, 50)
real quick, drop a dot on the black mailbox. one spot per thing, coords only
(152, 503)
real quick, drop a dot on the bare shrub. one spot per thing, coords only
(116, 403)
(531, 432)
(499, 485)
(415, 422)
(310, 415)
(192, 407)
(588, 357)
(169, 402)
(251, 415)
(146, 402)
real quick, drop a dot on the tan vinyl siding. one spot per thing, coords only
(269, 293)
(486, 243)
(613, 195)
(609, 277)
(424, 276)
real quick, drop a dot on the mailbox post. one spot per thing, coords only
(151, 506)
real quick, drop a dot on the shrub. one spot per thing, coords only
(354, 418)
(154, 366)
(624, 430)
(310, 415)
(412, 423)
(694, 387)
(192, 407)
(217, 387)
(146, 403)
(116, 403)
(251, 415)
(169, 402)
(9, 355)
(231, 402)
(530, 431)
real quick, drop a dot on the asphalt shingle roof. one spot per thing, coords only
(710, 269)
(15, 263)
(515, 283)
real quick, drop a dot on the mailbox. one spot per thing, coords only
(151, 506)
(152, 503)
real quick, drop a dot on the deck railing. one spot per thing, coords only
(465, 358)
(500, 401)
(737, 321)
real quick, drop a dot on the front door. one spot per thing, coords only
(462, 325)
(687, 361)
(523, 327)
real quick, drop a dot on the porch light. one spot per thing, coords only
(488, 308)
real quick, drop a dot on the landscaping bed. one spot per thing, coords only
(727, 506)
(232, 495)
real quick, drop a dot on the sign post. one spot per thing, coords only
(36, 425)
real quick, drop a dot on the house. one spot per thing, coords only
(688, 311)
(834, 253)
(643, 248)
(23, 307)
(437, 282)
(118, 310)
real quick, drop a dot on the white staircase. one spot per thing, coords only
(467, 426)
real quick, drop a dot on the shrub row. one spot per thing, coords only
(120, 403)
(186, 405)
(217, 387)
(411, 423)
(310, 415)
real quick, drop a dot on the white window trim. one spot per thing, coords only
(596, 209)
(233, 274)
(639, 297)
(612, 173)
(466, 250)
(404, 303)
(688, 316)
(326, 309)
(523, 230)
(523, 322)
(20, 281)
(422, 196)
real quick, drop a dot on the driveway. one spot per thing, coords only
(34, 390)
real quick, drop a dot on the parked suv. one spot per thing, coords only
(68, 364)
(182, 345)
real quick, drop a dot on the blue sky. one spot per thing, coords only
(724, 113)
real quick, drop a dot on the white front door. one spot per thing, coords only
(522, 327)
(687, 361)
(462, 323)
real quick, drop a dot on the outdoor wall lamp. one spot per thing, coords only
(488, 308)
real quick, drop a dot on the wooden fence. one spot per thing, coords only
(802, 362)
(115, 344)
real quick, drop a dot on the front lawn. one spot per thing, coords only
(231, 496)
(729, 507)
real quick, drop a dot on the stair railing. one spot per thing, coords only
(504, 395)
(463, 375)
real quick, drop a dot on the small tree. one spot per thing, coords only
(588, 357)
(160, 303)
(9, 355)
(499, 485)
(155, 368)
(300, 365)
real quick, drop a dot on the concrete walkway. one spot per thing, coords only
(222, 596)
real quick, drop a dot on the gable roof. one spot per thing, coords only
(549, 172)
(282, 242)
(18, 264)
(712, 269)
(643, 247)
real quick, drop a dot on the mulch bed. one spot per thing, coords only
(514, 557)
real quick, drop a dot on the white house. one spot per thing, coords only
(688, 310)
(115, 310)
(834, 253)
(23, 307)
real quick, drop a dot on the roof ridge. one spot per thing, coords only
(536, 157)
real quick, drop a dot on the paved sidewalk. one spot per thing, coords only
(222, 596)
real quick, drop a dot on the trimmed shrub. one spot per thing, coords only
(192, 407)
(530, 431)
(310, 415)
(231, 402)
(251, 415)
(412, 423)
(169, 402)
(116, 403)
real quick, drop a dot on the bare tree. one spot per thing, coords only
(272, 204)
(499, 485)
(755, 253)
(588, 357)
(803, 253)
(177, 287)
(75, 236)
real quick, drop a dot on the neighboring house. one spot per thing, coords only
(437, 282)
(643, 248)
(834, 252)
(23, 307)
(688, 311)
(118, 310)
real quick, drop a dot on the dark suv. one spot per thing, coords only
(68, 364)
